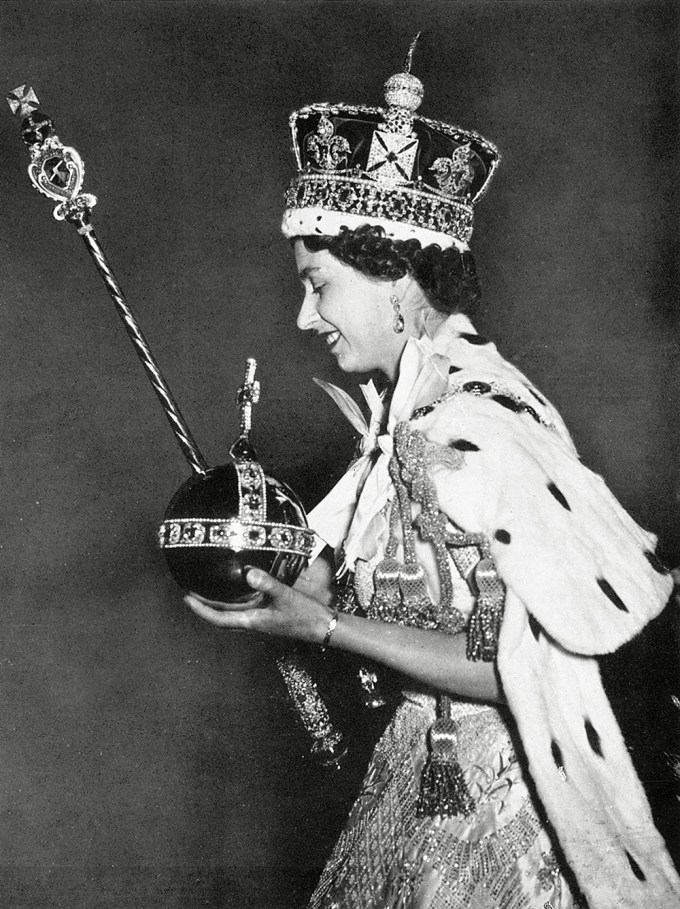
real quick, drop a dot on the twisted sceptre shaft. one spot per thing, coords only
(178, 424)
(57, 171)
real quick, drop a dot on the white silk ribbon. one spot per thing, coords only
(352, 512)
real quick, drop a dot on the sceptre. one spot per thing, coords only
(57, 171)
(222, 520)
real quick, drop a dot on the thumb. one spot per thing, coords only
(265, 583)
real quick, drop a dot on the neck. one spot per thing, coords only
(425, 323)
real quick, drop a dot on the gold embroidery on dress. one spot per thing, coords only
(400, 589)
(417, 457)
(386, 858)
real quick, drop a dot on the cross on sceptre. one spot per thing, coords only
(23, 100)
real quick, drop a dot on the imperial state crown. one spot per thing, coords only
(387, 166)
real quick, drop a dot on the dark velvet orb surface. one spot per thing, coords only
(206, 508)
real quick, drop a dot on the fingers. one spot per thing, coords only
(224, 618)
(249, 616)
(275, 609)
(219, 605)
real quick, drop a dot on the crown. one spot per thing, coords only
(415, 177)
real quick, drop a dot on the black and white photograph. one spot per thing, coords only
(340, 454)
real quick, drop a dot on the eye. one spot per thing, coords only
(317, 288)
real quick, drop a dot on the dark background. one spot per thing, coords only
(146, 758)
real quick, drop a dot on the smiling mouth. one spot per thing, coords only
(331, 337)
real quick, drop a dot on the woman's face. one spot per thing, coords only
(351, 313)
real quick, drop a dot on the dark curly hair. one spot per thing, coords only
(447, 277)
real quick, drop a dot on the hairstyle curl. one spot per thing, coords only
(447, 277)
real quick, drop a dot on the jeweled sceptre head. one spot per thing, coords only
(56, 170)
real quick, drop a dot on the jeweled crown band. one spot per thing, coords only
(405, 211)
(237, 535)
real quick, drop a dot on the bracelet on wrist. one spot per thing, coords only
(329, 631)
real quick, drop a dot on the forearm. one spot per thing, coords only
(303, 613)
(431, 657)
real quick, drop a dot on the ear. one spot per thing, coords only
(399, 287)
(410, 295)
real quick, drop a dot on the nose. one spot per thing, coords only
(308, 316)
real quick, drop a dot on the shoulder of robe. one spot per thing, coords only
(561, 542)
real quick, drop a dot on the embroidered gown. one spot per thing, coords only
(472, 514)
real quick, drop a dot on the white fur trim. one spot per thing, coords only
(304, 222)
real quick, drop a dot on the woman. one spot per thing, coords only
(480, 559)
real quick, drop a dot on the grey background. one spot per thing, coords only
(146, 759)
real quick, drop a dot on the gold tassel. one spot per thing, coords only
(484, 627)
(415, 598)
(443, 790)
(344, 594)
(483, 631)
(386, 600)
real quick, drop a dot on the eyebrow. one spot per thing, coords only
(306, 272)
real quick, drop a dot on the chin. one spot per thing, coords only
(353, 366)
(349, 362)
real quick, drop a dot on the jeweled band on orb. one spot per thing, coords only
(236, 535)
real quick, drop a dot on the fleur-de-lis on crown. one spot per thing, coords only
(455, 174)
(329, 151)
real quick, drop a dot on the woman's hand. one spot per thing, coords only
(275, 609)
(303, 613)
